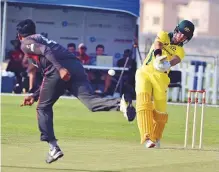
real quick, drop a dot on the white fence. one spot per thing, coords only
(208, 79)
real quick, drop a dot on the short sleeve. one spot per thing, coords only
(162, 37)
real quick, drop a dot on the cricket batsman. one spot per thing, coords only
(152, 81)
(61, 70)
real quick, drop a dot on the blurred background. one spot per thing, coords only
(102, 34)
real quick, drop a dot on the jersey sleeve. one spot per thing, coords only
(161, 37)
(36, 48)
(52, 58)
(31, 48)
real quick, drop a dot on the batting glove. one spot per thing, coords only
(162, 66)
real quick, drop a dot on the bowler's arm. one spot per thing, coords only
(32, 76)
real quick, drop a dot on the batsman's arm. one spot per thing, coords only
(175, 60)
(158, 43)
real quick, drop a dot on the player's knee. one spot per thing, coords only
(160, 117)
(143, 102)
(41, 108)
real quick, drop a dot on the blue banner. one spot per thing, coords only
(128, 6)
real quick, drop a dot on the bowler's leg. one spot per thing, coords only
(52, 87)
(83, 91)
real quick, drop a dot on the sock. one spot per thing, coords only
(53, 144)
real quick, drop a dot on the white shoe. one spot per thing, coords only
(54, 155)
(157, 144)
(149, 144)
(123, 106)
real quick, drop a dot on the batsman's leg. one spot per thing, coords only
(52, 87)
(160, 116)
(144, 107)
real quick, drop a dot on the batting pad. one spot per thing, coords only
(144, 110)
(160, 119)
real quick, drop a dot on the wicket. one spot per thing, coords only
(196, 101)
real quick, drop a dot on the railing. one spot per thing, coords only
(198, 77)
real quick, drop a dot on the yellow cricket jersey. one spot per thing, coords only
(169, 50)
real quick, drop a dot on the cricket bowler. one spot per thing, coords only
(61, 70)
(152, 81)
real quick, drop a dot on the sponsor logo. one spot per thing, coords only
(173, 48)
(96, 39)
(73, 24)
(45, 22)
(118, 55)
(31, 47)
(96, 25)
(123, 40)
(187, 29)
(69, 38)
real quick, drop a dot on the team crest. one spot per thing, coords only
(187, 29)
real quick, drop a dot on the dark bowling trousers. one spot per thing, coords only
(53, 87)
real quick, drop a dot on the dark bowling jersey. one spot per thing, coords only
(44, 53)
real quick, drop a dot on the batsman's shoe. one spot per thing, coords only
(127, 108)
(54, 155)
(157, 144)
(149, 144)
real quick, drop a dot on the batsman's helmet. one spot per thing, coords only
(187, 28)
(26, 27)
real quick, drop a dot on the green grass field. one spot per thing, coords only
(102, 142)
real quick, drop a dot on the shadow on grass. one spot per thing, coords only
(56, 169)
